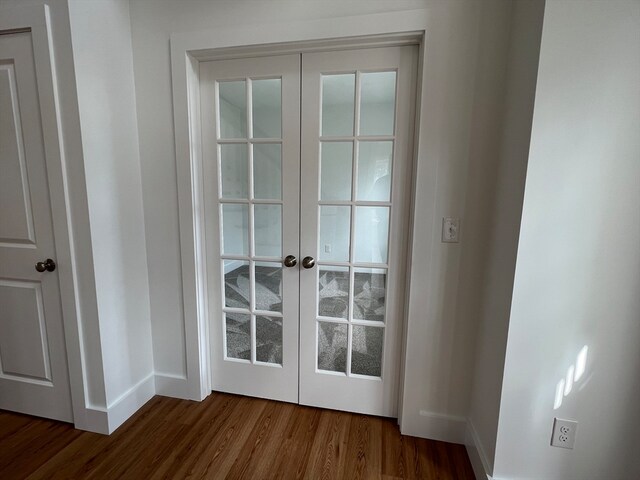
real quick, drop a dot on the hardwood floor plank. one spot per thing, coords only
(39, 440)
(213, 449)
(393, 460)
(226, 436)
(11, 423)
(295, 451)
(329, 450)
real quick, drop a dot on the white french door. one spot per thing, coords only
(356, 142)
(251, 151)
(306, 168)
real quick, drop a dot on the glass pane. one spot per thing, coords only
(335, 226)
(374, 171)
(233, 109)
(333, 291)
(267, 109)
(237, 286)
(366, 350)
(238, 333)
(269, 339)
(372, 234)
(268, 278)
(267, 171)
(369, 291)
(233, 169)
(332, 346)
(335, 170)
(377, 103)
(268, 230)
(338, 93)
(235, 229)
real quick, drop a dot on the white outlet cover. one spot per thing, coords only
(564, 433)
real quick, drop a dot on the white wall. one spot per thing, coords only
(152, 24)
(494, 208)
(101, 38)
(439, 351)
(578, 268)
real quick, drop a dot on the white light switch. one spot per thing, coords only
(450, 229)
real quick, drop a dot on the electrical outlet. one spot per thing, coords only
(450, 229)
(564, 433)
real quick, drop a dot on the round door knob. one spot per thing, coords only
(308, 262)
(48, 265)
(290, 261)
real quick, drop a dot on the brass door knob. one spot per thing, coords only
(308, 262)
(48, 265)
(290, 261)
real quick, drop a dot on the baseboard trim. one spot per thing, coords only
(93, 419)
(107, 420)
(175, 386)
(130, 402)
(435, 426)
(477, 455)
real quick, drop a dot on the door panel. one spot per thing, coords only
(33, 368)
(356, 149)
(16, 224)
(23, 344)
(251, 151)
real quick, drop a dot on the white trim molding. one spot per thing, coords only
(479, 461)
(107, 420)
(170, 385)
(437, 426)
(187, 50)
(130, 402)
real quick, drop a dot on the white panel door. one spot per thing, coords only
(251, 154)
(356, 150)
(33, 365)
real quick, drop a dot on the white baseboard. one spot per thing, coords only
(477, 455)
(435, 426)
(175, 386)
(107, 420)
(92, 419)
(130, 402)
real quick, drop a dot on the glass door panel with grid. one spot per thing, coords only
(356, 138)
(251, 168)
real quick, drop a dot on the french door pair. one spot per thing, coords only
(306, 169)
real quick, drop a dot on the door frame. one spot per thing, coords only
(187, 51)
(37, 20)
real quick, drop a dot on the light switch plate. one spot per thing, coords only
(564, 433)
(450, 229)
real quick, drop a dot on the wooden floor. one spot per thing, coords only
(226, 436)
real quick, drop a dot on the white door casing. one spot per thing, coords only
(33, 363)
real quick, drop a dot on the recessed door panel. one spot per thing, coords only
(24, 350)
(16, 218)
